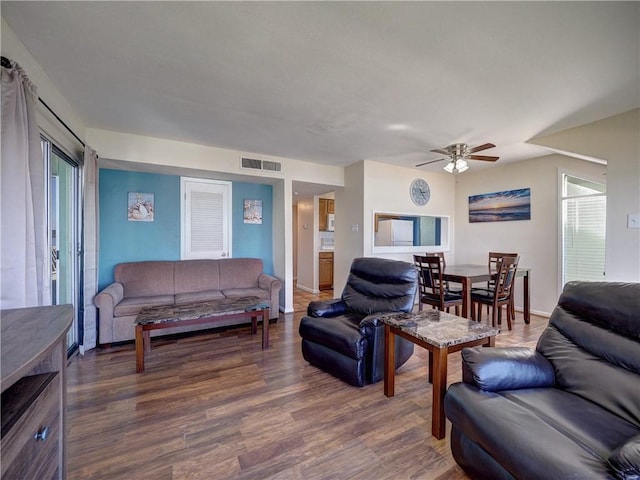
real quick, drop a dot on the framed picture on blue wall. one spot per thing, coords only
(140, 207)
(253, 211)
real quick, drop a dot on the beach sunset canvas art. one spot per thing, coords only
(500, 206)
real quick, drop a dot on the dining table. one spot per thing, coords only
(468, 274)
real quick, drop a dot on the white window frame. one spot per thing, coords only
(224, 187)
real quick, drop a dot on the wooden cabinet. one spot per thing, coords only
(325, 206)
(34, 357)
(331, 205)
(325, 265)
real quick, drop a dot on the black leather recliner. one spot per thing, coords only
(570, 409)
(345, 337)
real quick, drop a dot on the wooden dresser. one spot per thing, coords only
(34, 358)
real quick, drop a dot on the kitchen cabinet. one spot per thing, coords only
(325, 207)
(325, 268)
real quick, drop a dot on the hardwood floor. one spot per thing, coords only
(214, 405)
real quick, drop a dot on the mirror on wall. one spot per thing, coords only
(398, 232)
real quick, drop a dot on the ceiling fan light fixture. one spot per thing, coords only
(457, 166)
(461, 165)
(450, 167)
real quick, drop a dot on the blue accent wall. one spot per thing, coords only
(253, 240)
(125, 241)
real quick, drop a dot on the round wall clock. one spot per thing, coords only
(419, 192)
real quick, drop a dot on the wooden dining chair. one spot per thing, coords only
(500, 295)
(432, 289)
(494, 259)
(450, 286)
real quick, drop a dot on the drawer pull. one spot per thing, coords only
(42, 435)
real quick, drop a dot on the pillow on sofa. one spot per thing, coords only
(506, 368)
(625, 460)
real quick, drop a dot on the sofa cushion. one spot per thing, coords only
(197, 275)
(340, 334)
(239, 272)
(538, 433)
(144, 279)
(133, 305)
(380, 285)
(204, 296)
(246, 292)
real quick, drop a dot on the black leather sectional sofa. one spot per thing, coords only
(570, 409)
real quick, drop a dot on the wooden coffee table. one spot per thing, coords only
(441, 334)
(167, 316)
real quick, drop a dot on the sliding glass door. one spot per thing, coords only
(63, 231)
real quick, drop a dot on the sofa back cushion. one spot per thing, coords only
(145, 279)
(380, 285)
(239, 272)
(197, 275)
(593, 343)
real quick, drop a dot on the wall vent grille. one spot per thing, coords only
(255, 164)
(272, 166)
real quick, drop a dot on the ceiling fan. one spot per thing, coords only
(458, 154)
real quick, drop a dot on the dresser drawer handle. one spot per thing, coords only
(42, 434)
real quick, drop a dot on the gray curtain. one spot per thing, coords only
(90, 249)
(25, 260)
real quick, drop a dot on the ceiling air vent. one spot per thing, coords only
(255, 164)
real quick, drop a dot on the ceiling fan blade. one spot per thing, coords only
(483, 157)
(431, 161)
(479, 148)
(440, 150)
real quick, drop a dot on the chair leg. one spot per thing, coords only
(472, 307)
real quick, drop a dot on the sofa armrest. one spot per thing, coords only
(625, 459)
(326, 308)
(272, 285)
(108, 298)
(269, 282)
(508, 368)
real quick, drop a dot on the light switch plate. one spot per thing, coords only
(633, 220)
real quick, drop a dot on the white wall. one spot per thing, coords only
(617, 140)
(377, 187)
(536, 240)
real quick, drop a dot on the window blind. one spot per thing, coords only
(584, 206)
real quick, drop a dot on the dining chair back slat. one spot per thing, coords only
(500, 294)
(432, 289)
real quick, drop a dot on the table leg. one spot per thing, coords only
(466, 297)
(527, 306)
(430, 366)
(139, 349)
(265, 329)
(389, 361)
(147, 340)
(438, 420)
(254, 324)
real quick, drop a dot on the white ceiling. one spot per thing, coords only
(338, 82)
